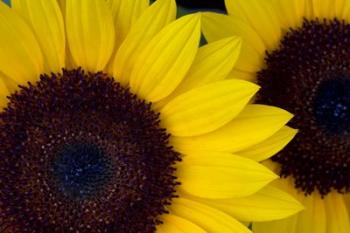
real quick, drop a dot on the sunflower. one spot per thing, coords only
(114, 120)
(299, 53)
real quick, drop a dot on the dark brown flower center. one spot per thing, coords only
(80, 153)
(309, 75)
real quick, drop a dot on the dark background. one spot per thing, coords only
(187, 6)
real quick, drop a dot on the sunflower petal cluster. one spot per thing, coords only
(154, 59)
(297, 51)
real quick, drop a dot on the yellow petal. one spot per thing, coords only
(4, 92)
(291, 13)
(231, 6)
(147, 26)
(175, 224)
(286, 184)
(337, 214)
(221, 175)
(62, 4)
(340, 9)
(166, 59)
(205, 109)
(271, 146)
(287, 225)
(249, 60)
(347, 201)
(213, 62)
(276, 168)
(313, 218)
(261, 15)
(253, 49)
(267, 204)
(237, 74)
(46, 19)
(125, 14)
(343, 10)
(10, 84)
(218, 26)
(308, 10)
(339, 6)
(20, 54)
(323, 8)
(253, 125)
(90, 33)
(210, 219)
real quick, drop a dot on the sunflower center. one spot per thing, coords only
(81, 170)
(80, 153)
(332, 105)
(309, 75)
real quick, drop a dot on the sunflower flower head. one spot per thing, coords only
(114, 120)
(298, 52)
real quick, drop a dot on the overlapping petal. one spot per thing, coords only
(20, 54)
(45, 17)
(90, 33)
(221, 175)
(253, 125)
(164, 62)
(150, 23)
(207, 108)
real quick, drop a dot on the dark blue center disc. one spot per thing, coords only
(81, 170)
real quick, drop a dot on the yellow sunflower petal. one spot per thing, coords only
(276, 168)
(46, 19)
(253, 125)
(271, 146)
(291, 13)
(267, 204)
(249, 60)
(253, 48)
(231, 6)
(343, 10)
(205, 109)
(210, 219)
(164, 62)
(237, 74)
(175, 224)
(20, 55)
(323, 8)
(287, 225)
(218, 26)
(339, 7)
(347, 201)
(62, 4)
(338, 220)
(125, 14)
(10, 84)
(261, 15)
(147, 26)
(221, 175)
(90, 33)
(4, 93)
(213, 62)
(313, 218)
